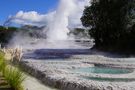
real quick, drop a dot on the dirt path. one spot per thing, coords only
(31, 83)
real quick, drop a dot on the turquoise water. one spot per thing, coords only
(103, 70)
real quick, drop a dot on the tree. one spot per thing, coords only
(6, 34)
(109, 20)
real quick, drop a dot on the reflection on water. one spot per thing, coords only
(58, 49)
(55, 53)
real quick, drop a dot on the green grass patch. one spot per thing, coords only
(2, 62)
(13, 76)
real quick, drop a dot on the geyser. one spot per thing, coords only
(67, 15)
(58, 27)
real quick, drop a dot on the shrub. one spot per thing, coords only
(2, 62)
(111, 24)
(14, 77)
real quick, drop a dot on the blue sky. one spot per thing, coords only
(11, 7)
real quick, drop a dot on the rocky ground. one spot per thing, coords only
(58, 73)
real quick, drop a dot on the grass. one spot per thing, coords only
(2, 62)
(13, 76)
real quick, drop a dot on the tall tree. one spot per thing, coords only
(109, 20)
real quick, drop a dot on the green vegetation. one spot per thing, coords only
(2, 62)
(13, 76)
(112, 24)
(6, 34)
(79, 33)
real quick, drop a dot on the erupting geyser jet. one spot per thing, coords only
(58, 27)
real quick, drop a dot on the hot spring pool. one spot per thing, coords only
(103, 70)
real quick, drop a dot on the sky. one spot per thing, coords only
(11, 7)
(41, 12)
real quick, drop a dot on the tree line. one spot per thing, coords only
(6, 34)
(112, 24)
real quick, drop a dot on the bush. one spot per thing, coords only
(111, 24)
(6, 34)
(14, 77)
(2, 62)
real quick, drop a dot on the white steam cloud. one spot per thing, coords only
(35, 18)
(58, 28)
(67, 15)
(32, 18)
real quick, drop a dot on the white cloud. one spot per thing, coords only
(32, 18)
(35, 18)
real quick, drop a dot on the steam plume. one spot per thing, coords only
(58, 28)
